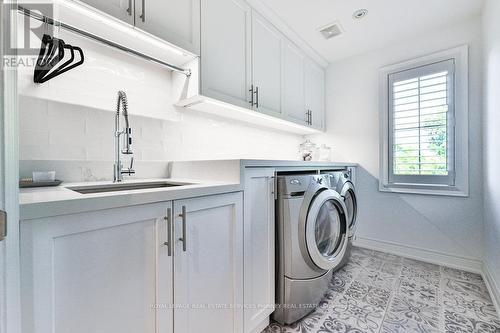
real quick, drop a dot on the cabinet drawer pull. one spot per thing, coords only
(168, 218)
(183, 238)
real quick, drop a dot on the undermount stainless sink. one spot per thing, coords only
(90, 189)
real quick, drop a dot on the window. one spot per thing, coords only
(424, 107)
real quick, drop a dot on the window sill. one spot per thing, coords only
(451, 191)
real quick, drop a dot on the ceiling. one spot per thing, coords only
(387, 21)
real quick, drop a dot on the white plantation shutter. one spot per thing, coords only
(421, 125)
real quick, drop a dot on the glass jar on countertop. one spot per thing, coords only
(325, 153)
(308, 151)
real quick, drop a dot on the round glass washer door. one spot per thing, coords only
(349, 195)
(326, 228)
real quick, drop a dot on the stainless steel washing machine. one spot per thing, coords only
(342, 182)
(312, 238)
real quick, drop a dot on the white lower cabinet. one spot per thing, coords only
(258, 248)
(112, 271)
(97, 272)
(208, 268)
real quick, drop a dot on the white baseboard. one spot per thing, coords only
(492, 286)
(262, 326)
(443, 259)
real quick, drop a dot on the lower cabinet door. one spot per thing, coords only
(208, 266)
(258, 243)
(99, 272)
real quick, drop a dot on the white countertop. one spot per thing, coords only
(204, 178)
(60, 200)
(294, 164)
(232, 170)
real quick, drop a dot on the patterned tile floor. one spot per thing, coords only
(380, 292)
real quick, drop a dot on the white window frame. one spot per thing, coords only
(459, 157)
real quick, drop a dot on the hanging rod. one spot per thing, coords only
(48, 20)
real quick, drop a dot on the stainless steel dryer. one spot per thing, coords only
(312, 238)
(342, 182)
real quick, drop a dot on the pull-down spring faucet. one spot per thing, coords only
(118, 167)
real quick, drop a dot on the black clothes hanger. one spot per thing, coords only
(51, 65)
(50, 58)
(64, 67)
(51, 53)
(45, 49)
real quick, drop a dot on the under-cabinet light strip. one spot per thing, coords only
(48, 20)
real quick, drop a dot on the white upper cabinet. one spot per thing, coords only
(176, 21)
(315, 94)
(208, 266)
(226, 51)
(293, 84)
(247, 62)
(121, 9)
(267, 65)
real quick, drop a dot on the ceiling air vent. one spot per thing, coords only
(331, 30)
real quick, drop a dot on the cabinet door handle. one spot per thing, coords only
(143, 15)
(310, 117)
(169, 242)
(129, 9)
(272, 184)
(257, 97)
(183, 238)
(251, 95)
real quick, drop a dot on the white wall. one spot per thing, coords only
(67, 123)
(446, 225)
(491, 149)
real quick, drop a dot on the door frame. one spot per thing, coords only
(10, 305)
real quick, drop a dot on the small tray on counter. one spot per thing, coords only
(30, 183)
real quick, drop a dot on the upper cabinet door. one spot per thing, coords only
(226, 51)
(208, 265)
(121, 9)
(315, 93)
(293, 84)
(267, 65)
(175, 21)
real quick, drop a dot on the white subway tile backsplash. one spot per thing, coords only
(33, 152)
(34, 115)
(99, 124)
(66, 151)
(66, 121)
(36, 137)
(67, 136)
